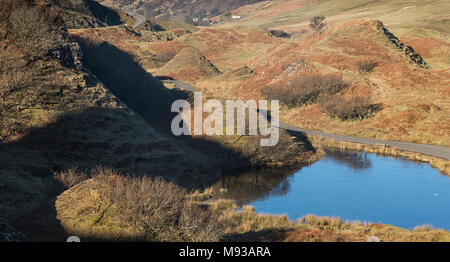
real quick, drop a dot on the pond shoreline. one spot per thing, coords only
(260, 218)
(443, 165)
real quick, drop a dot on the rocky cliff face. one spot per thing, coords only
(69, 54)
(407, 50)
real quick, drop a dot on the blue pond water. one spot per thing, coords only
(350, 185)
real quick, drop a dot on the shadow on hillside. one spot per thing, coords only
(93, 9)
(147, 95)
(162, 78)
(110, 138)
(128, 81)
(103, 13)
(113, 138)
(42, 225)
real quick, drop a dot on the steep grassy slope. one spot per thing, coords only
(189, 64)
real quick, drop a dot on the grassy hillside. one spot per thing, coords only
(78, 102)
(189, 64)
(178, 10)
(392, 57)
(56, 116)
(154, 30)
(88, 13)
(406, 19)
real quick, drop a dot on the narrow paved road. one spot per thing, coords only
(139, 19)
(437, 151)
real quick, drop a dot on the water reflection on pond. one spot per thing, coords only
(351, 185)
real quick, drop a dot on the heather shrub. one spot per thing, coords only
(159, 210)
(366, 65)
(354, 108)
(305, 90)
(35, 29)
(317, 23)
(71, 177)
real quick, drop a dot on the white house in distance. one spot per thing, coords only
(236, 17)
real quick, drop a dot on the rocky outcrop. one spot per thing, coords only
(152, 26)
(279, 33)
(407, 50)
(69, 54)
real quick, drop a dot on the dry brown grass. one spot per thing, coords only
(248, 221)
(246, 225)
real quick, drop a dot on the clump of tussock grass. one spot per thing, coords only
(321, 221)
(423, 228)
(204, 195)
(247, 220)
